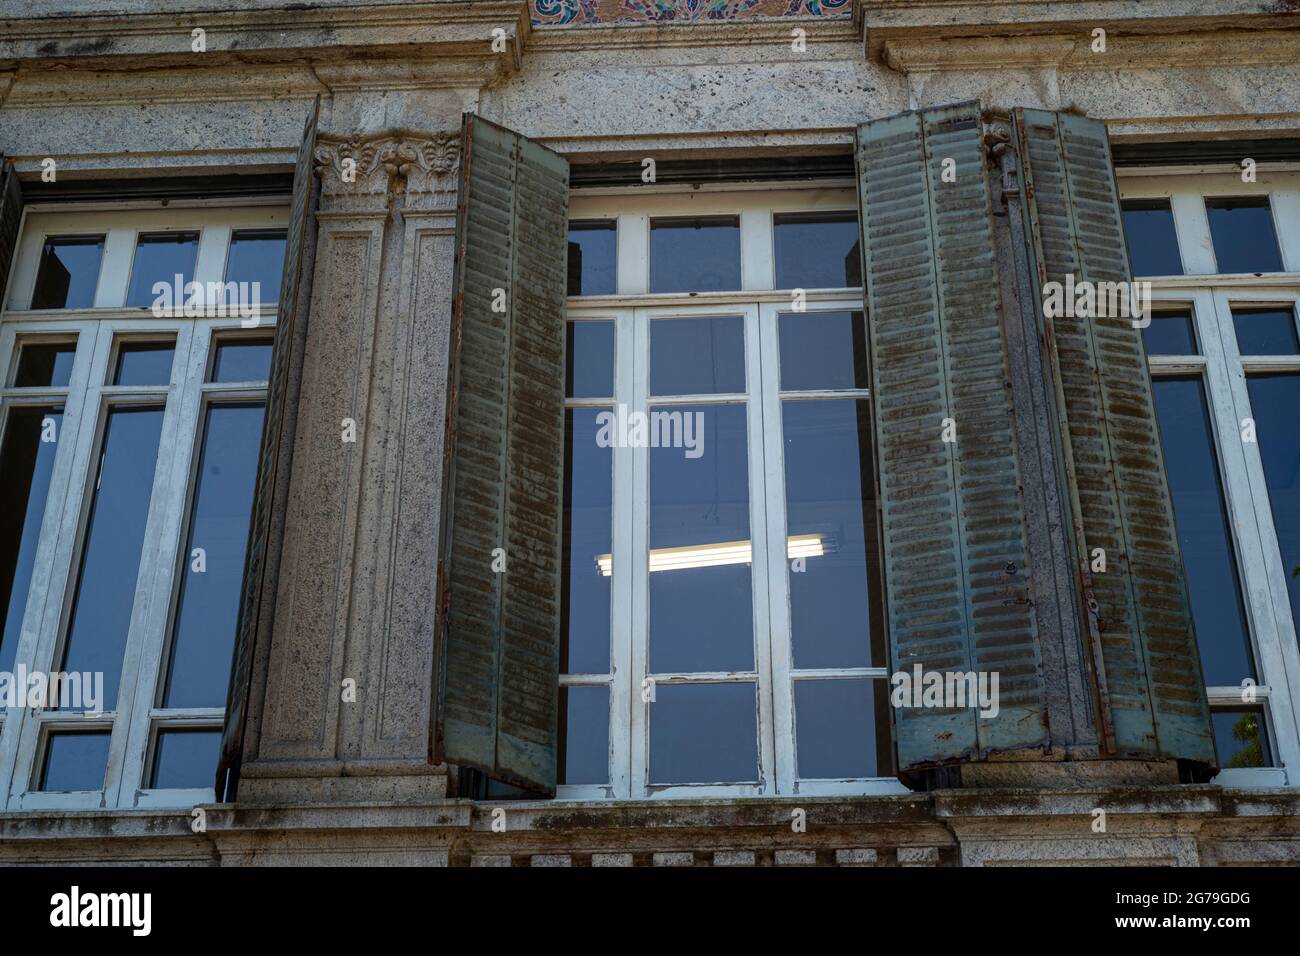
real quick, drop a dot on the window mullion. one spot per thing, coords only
(639, 559)
(1193, 229)
(622, 693)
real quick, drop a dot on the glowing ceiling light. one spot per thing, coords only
(713, 555)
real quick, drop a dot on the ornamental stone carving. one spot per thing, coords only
(393, 170)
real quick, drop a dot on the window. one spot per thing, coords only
(130, 425)
(719, 619)
(1225, 361)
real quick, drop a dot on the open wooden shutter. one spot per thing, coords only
(952, 516)
(499, 567)
(11, 219)
(1149, 673)
(276, 454)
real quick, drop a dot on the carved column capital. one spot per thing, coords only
(394, 169)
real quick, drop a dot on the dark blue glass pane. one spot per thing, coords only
(701, 605)
(830, 517)
(26, 464)
(699, 254)
(161, 257)
(589, 362)
(75, 761)
(584, 730)
(697, 356)
(198, 673)
(1242, 230)
(593, 257)
(1204, 534)
(1241, 739)
(1151, 239)
(1266, 331)
(242, 360)
(587, 545)
(817, 250)
(835, 728)
(1170, 333)
(185, 759)
(68, 272)
(45, 364)
(144, 363)
(256, 255)
(1274, 400)
(823, 350)
(101, 610)
(703, 733)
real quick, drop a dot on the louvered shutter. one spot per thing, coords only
(1149, 672)
(276, 453)
(11, 219)
(499, 567)
(952, 516)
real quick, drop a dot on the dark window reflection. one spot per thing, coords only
(256, 255)
(26, 464)
(161, 257)
(105, 593)
(1274, 400)
(701, 606)
(1241, 739)
(1242, 230)
(1204, 534)
(593, 257)
(75, 761)
(584, 735)
(817, 250)
(830, 514)
(836, 728)
(703, 733)
(588, 524)
(45, 364)
(823, 350)
(1170, 333)
(68, 272)
(144, 363)
(589, 362)
(1266, 331)
(1151, 238)
(695, 254)
(198, 671)
(242, 360)
(697, 356)
(185, 759)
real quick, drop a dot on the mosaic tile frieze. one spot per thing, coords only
(566, 12)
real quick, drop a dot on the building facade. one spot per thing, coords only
(585, 439)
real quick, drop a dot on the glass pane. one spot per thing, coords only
(256, 256)
(144, 363)
(1240, 738)
(68, 272)
(1170, 333)
(695, 254)
(162, 258)
(26, 464)
(584, 730)
(1204, 533)
(1273, 402)
(835, 727)
(831, 520)
(703, 733)
(697, 356)
(589, 362)
(817, 250)
(105, 592)
(1151, 239)
(185, 759)
(823, 350)
(1242, 230)
(593, 257)
(75, 761)
(587, 546)
(44, 364)
(701, 606)
(242, 360)
(1266, 331)
(198, 672)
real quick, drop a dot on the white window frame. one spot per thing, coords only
(86, 400)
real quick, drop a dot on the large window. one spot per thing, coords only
(1224, 345)
(134, 354)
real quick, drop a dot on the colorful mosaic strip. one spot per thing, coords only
(564, 12)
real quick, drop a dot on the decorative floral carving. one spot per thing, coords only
(389, 163)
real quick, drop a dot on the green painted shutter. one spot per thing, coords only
(951, 512)
(1148, 672)
(11, 219)
(274, 461)
(499, 631)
